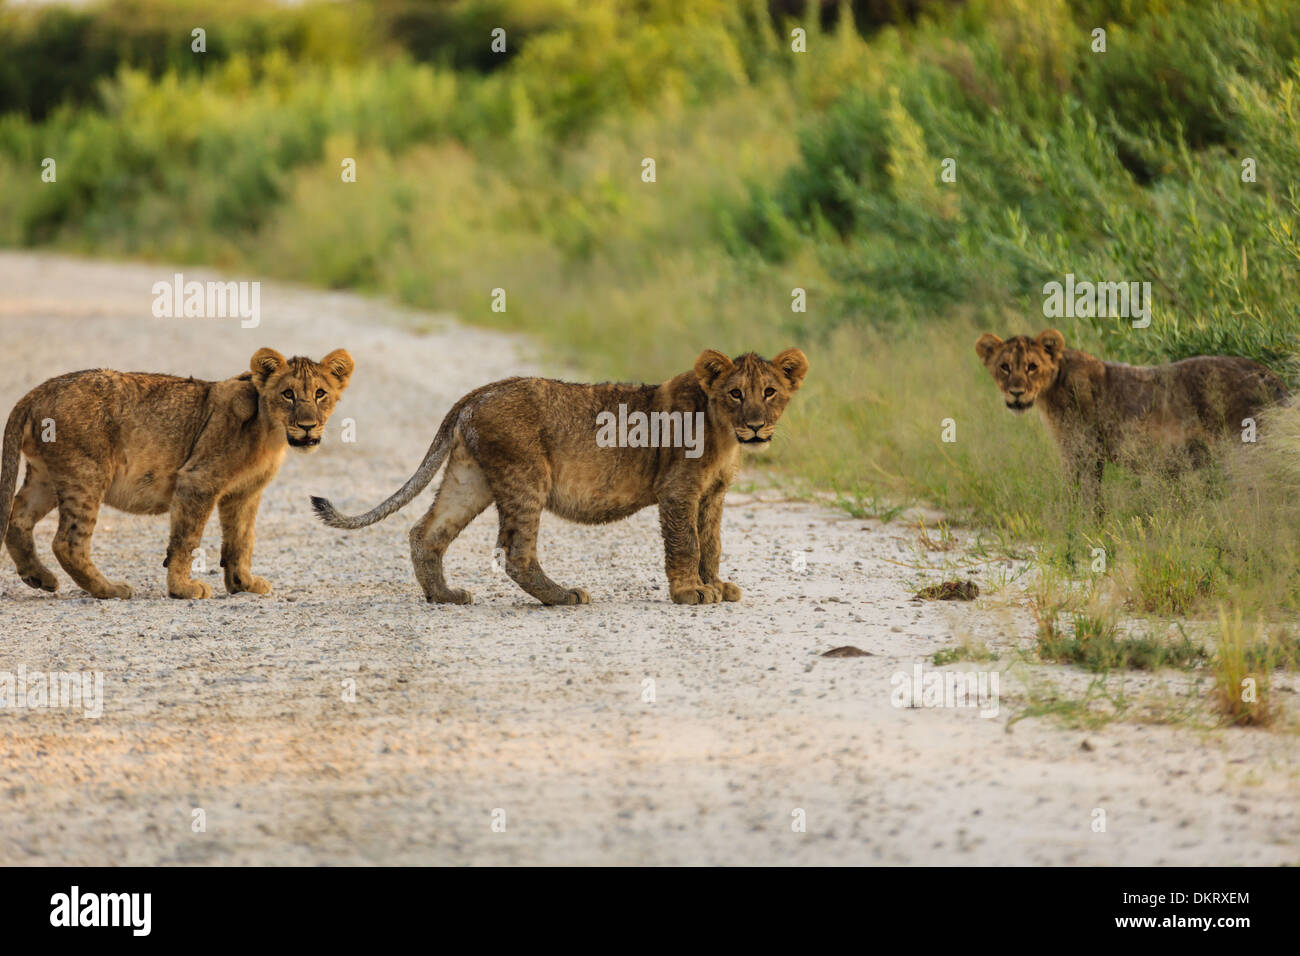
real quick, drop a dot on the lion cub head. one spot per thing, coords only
(1022, 366)
(750, 393)
(299, 394)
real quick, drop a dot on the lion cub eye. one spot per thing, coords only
(320, 393)
(1033, 367)
(288, 394)
(769, 392)
(735, 393)
(1006, 367)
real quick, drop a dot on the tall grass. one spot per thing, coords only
(1242, 673)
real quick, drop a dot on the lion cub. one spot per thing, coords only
(1106, 411)
(146, 444)
(594, 454)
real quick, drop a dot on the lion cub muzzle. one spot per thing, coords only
(305, 437)
(759, 434)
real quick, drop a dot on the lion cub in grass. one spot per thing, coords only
(1107, 411)
(146, 444)
(594, 454)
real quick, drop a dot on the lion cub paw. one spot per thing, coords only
(252, 584)
(452, 596)
(697, 594)
(729, 591)
(190, 590)
(44, 581)
(115, 589)
(574, 596)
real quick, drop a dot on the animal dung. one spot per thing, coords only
(847, 650)
(950, 591)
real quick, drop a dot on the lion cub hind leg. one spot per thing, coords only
(34, 502)
(463, 495)
(518, 539)
(521, 515)
(78, 513)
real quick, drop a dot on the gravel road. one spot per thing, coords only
(630, 731)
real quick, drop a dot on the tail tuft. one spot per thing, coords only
(327, 513)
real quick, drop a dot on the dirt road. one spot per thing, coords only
(628, 731)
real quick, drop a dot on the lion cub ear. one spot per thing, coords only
(1052, 342)
(710, 366)
(986, 346)
(264, 364)
(340, 365)
(793, 364)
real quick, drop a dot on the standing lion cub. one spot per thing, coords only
(146, 444)
(594, 454)
(1107, 411)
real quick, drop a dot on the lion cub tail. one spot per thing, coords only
(9, 460)
(433, 460)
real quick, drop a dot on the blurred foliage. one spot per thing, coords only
(1123, 165)
(51, 55)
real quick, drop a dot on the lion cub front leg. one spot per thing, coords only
(191, 507)
(1086, 465)
(710, 530)
(238, 514)
(678, 520)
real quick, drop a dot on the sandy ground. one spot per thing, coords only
(628, 731)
